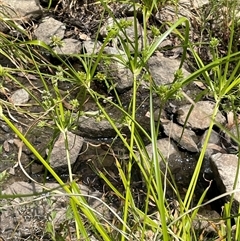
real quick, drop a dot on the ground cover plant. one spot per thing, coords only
(220, 77)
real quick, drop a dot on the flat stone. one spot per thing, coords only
(185, 8)
(26, 8)
(180, 165)
(187, 139)
(45, 33)
(91, 47)
(93, 128)
(69, 46)
(25, 217)
(120, 75)
(58, 155)
(200, 116)
(20, 96)
(162, 69)
(214, 143)
(224, 167)
(169, 152)
(166, 147)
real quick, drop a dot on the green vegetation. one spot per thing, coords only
(220, 77)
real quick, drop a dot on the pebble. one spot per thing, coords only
(20, 96)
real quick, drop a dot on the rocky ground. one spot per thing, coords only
(75, 25)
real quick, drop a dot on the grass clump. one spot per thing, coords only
(133, 222)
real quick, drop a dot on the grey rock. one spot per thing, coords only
(93, 128)
(116, 53)
(40, 137)
(170, 153)
(165, 43)
(197, 3)
(180, 164)
(120, 75)
(159, 115)
(69, 46)
(58, 155)
(20, 96)
(49, 28)
(225, 167)
(5, 12)
(231, 139)
(163, 69)
(97, 156)
(200, 116)
(167, 148)
(26, 216)
(186, 9)
(25, 8)
(91, 46)
(214, 143)
(187, 139)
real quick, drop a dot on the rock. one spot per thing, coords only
(39, 137)
(185, 8)
(117, 53)
(24, 9)
(165, 43)
(187, 139)
(69, 46)
(20, 96)
(200, 116)
(91, 46)
(181, 166)
(213, 147)
(225, 167)
(228, 141)
(58, 155)
(26, 216)
(158, 114)
(120, 75)
(127, 35)
(168, 150)
(49, 28)
(214, 143)
(163, 69)
(93, 128)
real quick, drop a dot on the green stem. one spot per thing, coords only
(129, 170)
(157, 172)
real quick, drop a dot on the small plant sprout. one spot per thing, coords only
(74, 103)
(56, 41)
(155, 31)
